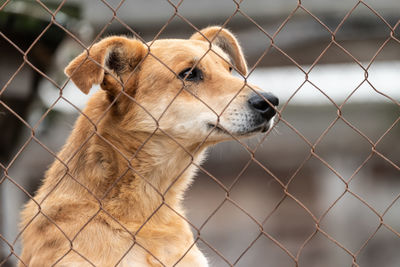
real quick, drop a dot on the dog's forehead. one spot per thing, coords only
(176, 49)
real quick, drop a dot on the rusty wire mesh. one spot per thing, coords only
(311, 145)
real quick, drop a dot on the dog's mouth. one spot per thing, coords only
(217, 128)
(246, 131)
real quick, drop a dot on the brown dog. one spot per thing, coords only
(113, 195)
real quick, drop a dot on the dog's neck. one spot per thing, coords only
(131, 174)
(154, 180)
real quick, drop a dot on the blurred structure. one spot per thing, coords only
(335, 150)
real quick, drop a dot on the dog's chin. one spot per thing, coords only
(263, 128)
(241, 132)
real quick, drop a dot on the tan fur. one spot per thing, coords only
(113, 195)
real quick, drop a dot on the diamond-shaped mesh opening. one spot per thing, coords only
(288, 37)
(341, 162)
(261, 252)
(325, 77)
(362, 225)
(272, 14)
(30, 26)
(302, 186)
(192, 11)
(361, 20)
(385, 115)
(318, 188)
(223, 235)
(318, 250)
(199, 212)
(279, 229)
(327, 113)
(379, 196)
(256, 192)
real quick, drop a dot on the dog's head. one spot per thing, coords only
(184, 88)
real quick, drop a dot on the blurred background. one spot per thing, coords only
(340, 167)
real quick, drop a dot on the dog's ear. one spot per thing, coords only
(227, 42)
(115, 55)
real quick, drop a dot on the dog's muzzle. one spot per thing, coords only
(264, 105)
(256, 117)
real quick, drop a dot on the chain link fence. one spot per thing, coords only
(290, 246)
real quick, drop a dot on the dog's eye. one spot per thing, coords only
(192, 75)
(230, 69)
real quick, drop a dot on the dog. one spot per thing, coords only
(113, 196)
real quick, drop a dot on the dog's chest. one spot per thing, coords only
(139, 258)
(134, 259)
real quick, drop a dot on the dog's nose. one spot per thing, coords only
(264, 104)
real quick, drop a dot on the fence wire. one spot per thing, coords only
(281, 120)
